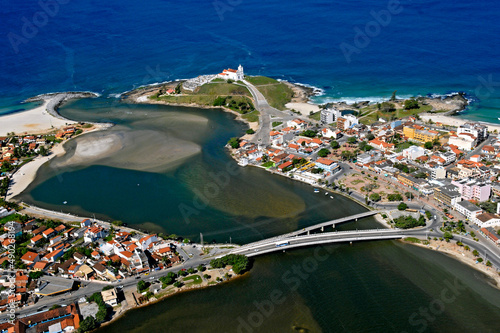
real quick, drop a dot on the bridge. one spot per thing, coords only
(268, 246)
(304, 237)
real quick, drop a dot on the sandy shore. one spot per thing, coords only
(27, 173)
(37, 120)
(304, 108)
(454, 121)
(459, 253)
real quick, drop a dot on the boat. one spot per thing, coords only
(331, 196)
(326, 193)
(316, 190)
(65, 202)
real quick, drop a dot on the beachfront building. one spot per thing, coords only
(232, 74)
(477, 130)
(448, 195)
(329, 116)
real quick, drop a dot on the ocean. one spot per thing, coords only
(361, 50)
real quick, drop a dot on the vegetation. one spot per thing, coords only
(276, 93)
(141, 286)
(375, 197)
(411, 104)
(490, 207)
(402, 206)
(407, 222)
(239, 262)
(250, 131)
(234, 142)
(334, 144)
(277, 123)
(352, 140)
(309, 133)
(395, 197)
(323, 152)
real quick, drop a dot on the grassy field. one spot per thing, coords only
(374, 114)
(222, 89)
(252, 117)
(277, 123)
(316, 116)
(193, 279)
(276, 93)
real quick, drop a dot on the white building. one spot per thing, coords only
(413, 152)
(477, 130)
(487, 220)
(329, 116)
(328, 133)
(467, 209)
(449, 157)
(438, 172)
(232, 74)
(347, 121)
(463, 141)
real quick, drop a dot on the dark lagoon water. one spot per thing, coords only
(372, 286)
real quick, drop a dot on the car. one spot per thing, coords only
(147, 273)
(137, 277)
(121, 287)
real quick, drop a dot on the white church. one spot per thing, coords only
(232, 74)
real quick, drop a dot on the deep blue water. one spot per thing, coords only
(112, 46)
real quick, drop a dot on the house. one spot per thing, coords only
(413, 152)
(296, 123)
(85, 223)
(53, 256)
(30, 258)
(285, 165)
(326, 164)
(63, 319)
(94, 233)
(490, 235)
(40, 266)
(49, 233)
(380, 145)
(147, 242)
(487, 220)
(110, 297)
(232, 74)
(36, 239)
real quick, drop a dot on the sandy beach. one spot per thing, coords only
(26, 174)
(304, 108)
(37, 120)
(454, 121)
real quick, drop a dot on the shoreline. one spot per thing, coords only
(451, 249)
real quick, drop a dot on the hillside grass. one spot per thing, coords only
(276, 93)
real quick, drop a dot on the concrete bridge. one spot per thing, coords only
(273, 245)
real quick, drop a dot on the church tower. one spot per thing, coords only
(240, 73)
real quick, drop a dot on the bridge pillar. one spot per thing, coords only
(322, 229)
(308, 232)
(350, 243)
(356, 220)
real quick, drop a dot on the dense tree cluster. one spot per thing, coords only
(406, 222)
(239, 262)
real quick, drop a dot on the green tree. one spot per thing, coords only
(428, 145)
(375, 197)
(250, 131)
(234, 142)
(219, 101)
(178, 284)
(370, 136)
(393, 96)
(411, 104)
(87, 325)
(475, 253)
(488, 263)
(309, 133)
(428, 214)
(334, 144)
(395, 197)
(239, 262)
(323, 152)
(200, 268)
(447, 235)
(388, 107)
(191, 270)
(178, 89)
(409, 195)
(351, 139)
(402, 206)
(141, 286)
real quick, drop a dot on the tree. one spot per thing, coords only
(402, 206)
(334, 144)
(479, 259)
(206, 276)
(88, 324)
(239, 262)
(393, 96)
(178, 89)
(178, 284)
(191, 270)
(234, 143)
(395, 197)
(309, 133)
(407, 222)
(370, 136)
(428, 145)
(488, 263)
(411, 104)
(200, 268)
(447, 235)
(375, 197)
(388, 107)
(409, 195)
(141, 286)
(351, 140)
(250, 131)
(428, 214)
(55, 306)
(219, 101)
(475, 253)
(323, 152)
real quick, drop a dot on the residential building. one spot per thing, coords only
(487, 220)
(326, 164)
(467, 209)
(473, 189)
(447, 194)
(329, 116)
(346, 122)
(422, 135)
(475, 129)
(413, 152)
(110, 297)
(63, 319)
(463, 141)
(438, 172)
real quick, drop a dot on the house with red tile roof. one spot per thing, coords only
(30, 258)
